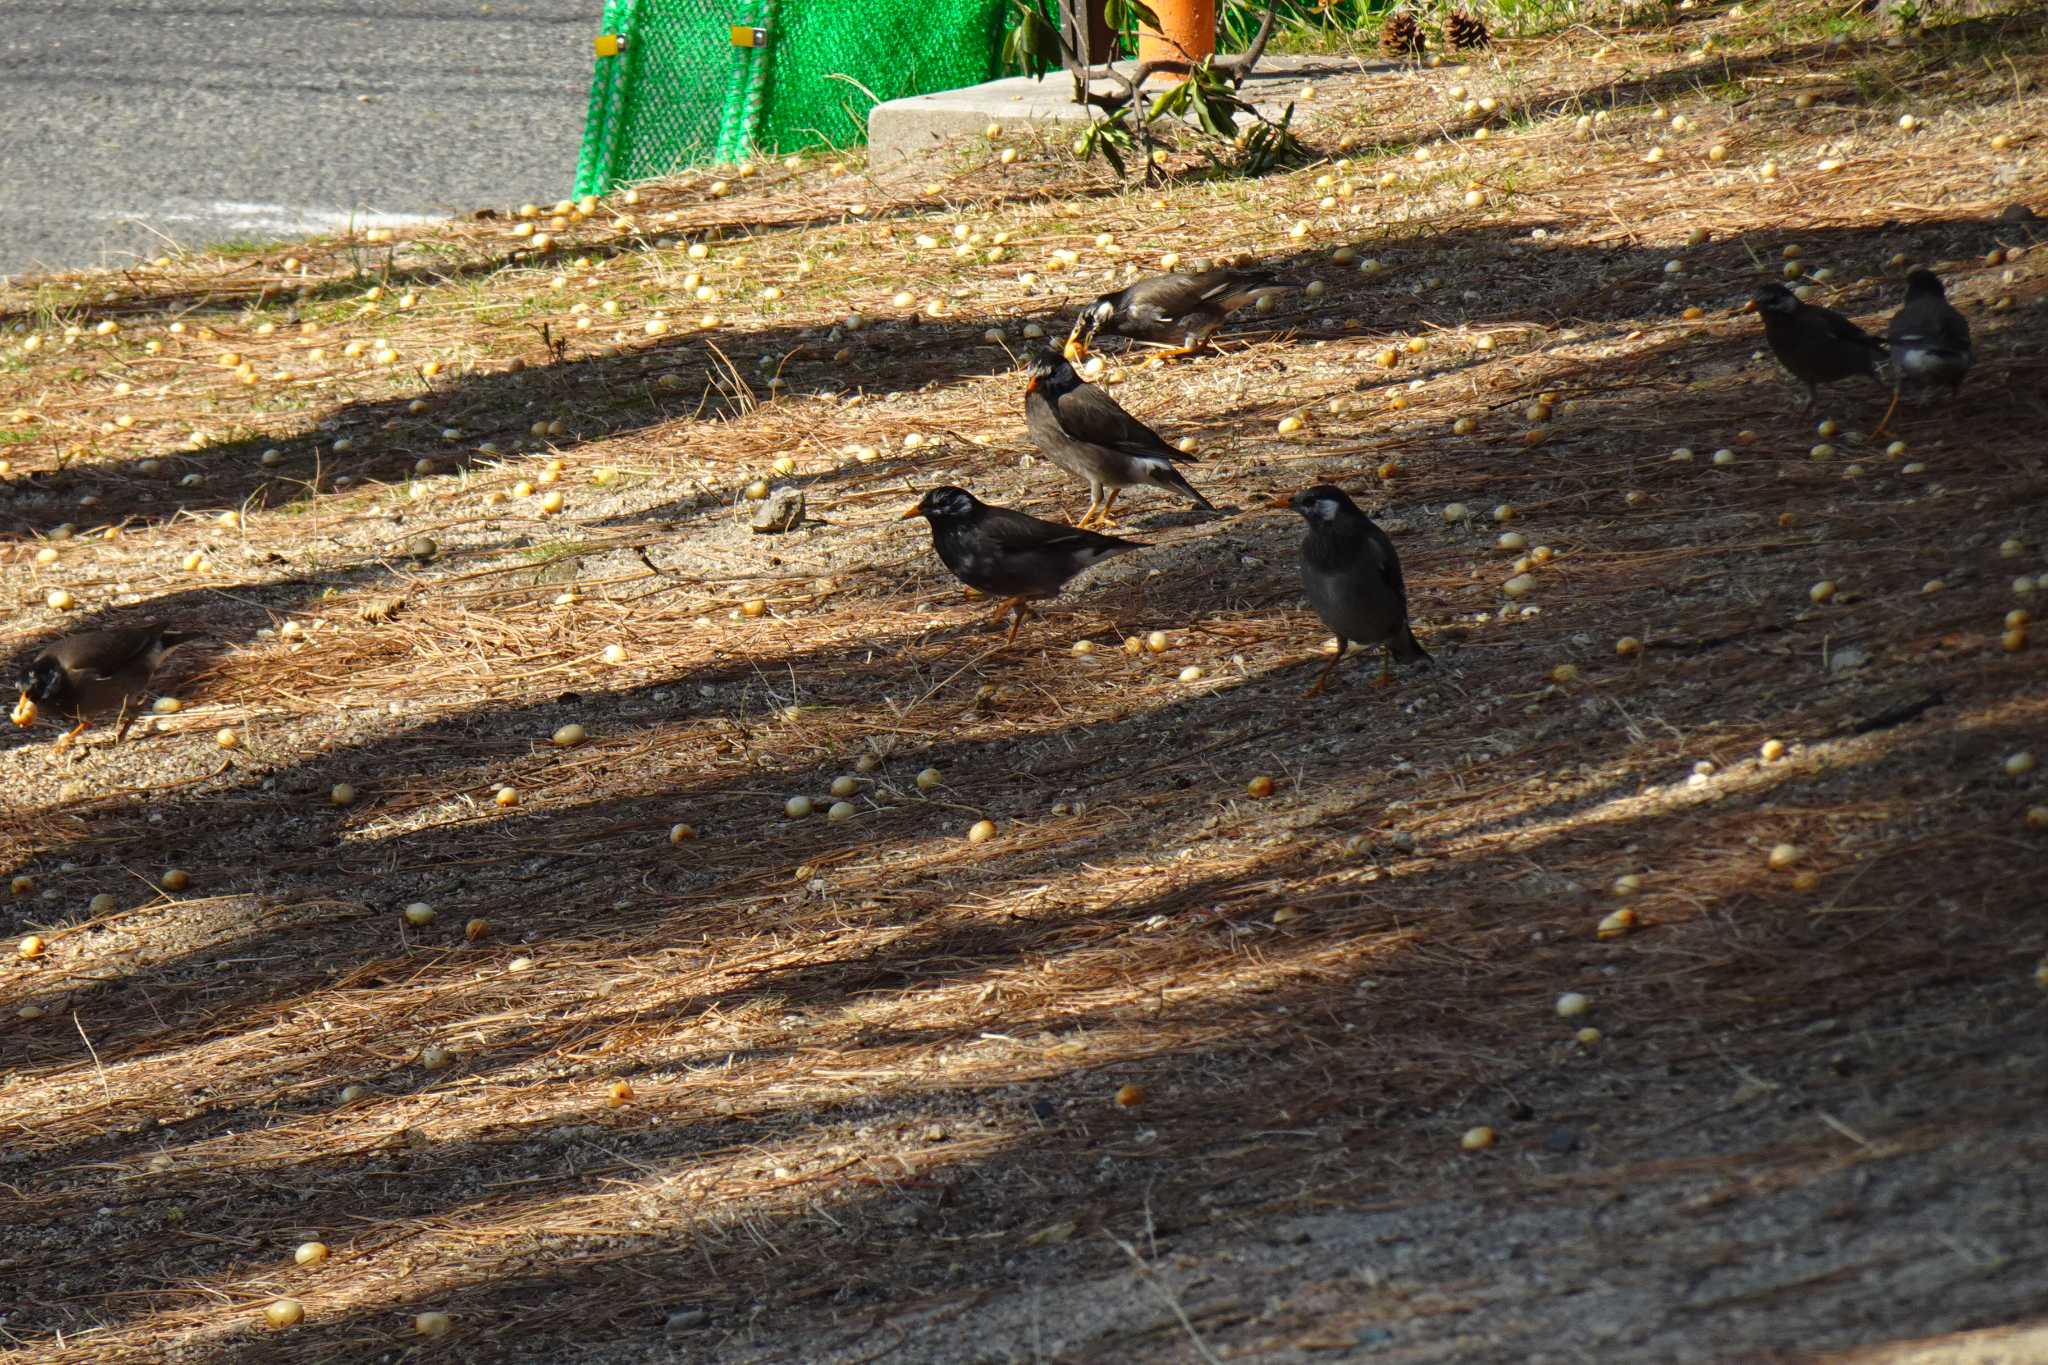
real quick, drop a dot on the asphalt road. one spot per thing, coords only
(124, 123)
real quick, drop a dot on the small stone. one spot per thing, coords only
(782, 510)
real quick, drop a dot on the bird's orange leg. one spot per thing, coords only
(1004, 608)
(64, 740)
(1103, 520)
(1186, 348)
(1315, 689)
(1017, 621)
(1386, 677)
(1897, 389)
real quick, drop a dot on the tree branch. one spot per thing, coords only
(1239, 67)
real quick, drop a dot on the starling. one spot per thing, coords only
(1930, 340)
(1083, 431)
(81, 677)
(1006, 553)
(1181, 311)
(1353, 577)
(1817, 345)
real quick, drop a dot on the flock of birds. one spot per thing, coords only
(1349, 566)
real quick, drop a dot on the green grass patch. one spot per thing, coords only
(236, 247)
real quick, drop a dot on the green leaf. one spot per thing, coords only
(1107, 146)
(1171, 101)
(1217, 114)
(1121, 13)
(1031, 45)
(1109, 140)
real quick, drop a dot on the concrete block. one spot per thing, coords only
(912, 128)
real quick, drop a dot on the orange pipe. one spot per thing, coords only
(1186, 33)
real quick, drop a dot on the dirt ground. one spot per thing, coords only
(1164, 1070)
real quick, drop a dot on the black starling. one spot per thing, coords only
(1930, 340)
(1083, 431)
(1181, 311)
(81, 677)
(1353, 577)
(1817, 345)
(1006, 553)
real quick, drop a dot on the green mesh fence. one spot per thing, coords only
(680, 92)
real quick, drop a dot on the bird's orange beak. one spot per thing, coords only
(1281, 502)
(1748, 306)
(24, 713)
(916, 509)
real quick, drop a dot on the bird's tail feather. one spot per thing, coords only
(1408, 649)
(1248, 292)
(1166, 476)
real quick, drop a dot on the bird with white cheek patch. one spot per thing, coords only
(1353, 578)
(1007, 553)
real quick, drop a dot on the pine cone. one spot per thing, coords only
(1400, 35)
(1465, 31)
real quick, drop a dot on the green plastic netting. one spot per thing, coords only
(680, 92)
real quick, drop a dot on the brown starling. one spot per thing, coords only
(82, 677)
(1816, 345)
(1083, 431)
(1178, 310)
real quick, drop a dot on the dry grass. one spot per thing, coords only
(872, 1065)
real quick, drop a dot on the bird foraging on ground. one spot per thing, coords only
(85, 676)
(1930, 340)
(1177, 310)
(1083, 431)
(1006, 553)
(1353, 578)
(1816, 345)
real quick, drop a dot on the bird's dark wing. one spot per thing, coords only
(1231, 289)
(1842, 329)
(1955, 330)
(1380, 547)
(1930, 322)
(1088, 414)
(103, 653)
(1165, 297)
(1360, 548)
(1151, 314)
(1006, 528)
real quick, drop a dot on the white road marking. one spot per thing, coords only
(283, 219)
